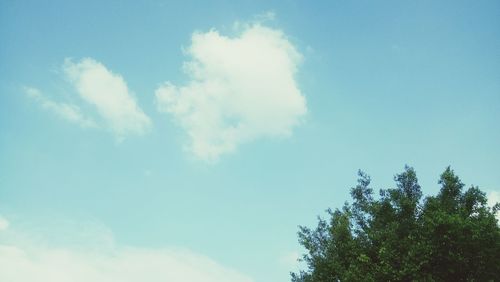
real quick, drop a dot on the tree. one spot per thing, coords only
(399, 236)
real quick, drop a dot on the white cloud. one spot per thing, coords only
(104, 90)
(265, 16)
(69, 112)
(109, 93)
(23, 259)
(125, 265)
(241, 88)
(493, 198)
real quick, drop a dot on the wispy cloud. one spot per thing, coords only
(265, 16)
(27, 260)
(241, 88)
(105, 91)
(109, 93)
(69, 112)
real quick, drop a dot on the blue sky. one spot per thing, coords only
(200, 135)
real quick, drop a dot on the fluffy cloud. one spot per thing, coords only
(109, 93)
(69, 112)
(25, 260)
(241, 88)
(104, 90)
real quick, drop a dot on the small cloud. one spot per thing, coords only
(4, 223)
(258, 19)
(266, 16)
(24, 259)
(69, 112)
(109, 94)
(241, 89)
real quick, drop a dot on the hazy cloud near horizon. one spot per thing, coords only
(26, 256)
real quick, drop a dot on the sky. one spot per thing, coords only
(187, 140)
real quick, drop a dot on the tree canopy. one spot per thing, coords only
(398, 236)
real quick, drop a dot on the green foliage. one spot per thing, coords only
(453, 236)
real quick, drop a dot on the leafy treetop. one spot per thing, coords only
(453, 236)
